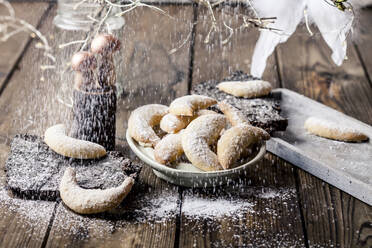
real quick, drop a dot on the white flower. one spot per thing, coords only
(332, 23)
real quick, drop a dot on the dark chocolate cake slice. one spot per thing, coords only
(34, 171)
(262, 112)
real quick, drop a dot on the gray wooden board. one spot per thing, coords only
(348, 166)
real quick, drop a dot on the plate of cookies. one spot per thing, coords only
(188, 143)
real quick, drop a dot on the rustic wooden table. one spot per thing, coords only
(312, 214)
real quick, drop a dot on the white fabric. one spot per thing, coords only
(332, 23)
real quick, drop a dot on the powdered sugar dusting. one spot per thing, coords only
(169, 148)
(160, 208)
(186, 105)
(247, 89)
(219, 206)
(58, 141)
(282, 193)
(147, 208)
(331, 125)
(246, 217)
(233, 114)
(171, 123)
(202, 132)
(142, 120)
(214, 208)
(91, 200)
(261, 112)
(68, 223)
(33, 213)
(347, 165)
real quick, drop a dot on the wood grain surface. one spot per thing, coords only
(362, 39)
(274, 221)
(147, 70)
(332, 217)
(12, 49)
(67, 228)
(271, 220)
(217, 60)
(21, 224)
(312, 213)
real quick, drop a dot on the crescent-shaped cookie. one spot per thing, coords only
(198, 136)
(91, 201)
(235, 142)
(187, 105)
(233, 115)
(246, 89)
(55, 137)
(143, 119)
(332, 130)
(171, 123)
(169, 149)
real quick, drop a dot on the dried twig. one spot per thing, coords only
(19, 24)
(257, 22)
(9, 7)
(72, 43)
(174, 50)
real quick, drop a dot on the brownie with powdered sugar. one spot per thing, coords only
(34, 171)
(262, 112)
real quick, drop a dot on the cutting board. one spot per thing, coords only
(347, 166)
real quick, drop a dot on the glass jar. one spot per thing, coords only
(80, 15)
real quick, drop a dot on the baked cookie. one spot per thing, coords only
(263, 112)
(171, 123)
(235, 142)
(233, 115)
(246, 89)
(169, 149)
(57, 140)
(198, 136)
(91, 201)
(187, 105)
(143, 119)
(331, 130)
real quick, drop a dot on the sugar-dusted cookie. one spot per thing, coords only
(235, 141)
(198, 136)
(169, 149)
(246, 89)
(143, 119)
(263, 112)
(333, 130)
(187, 105)
(57, 140)
(233, 115)
(91, 201)
(171, 123)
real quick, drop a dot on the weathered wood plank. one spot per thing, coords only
(363, 39)
(30, 103)
(261, 210)
(215, 60)
(332, 217)
(146, 218)
(22, 223)
(147, 69)
(146, 74)
(13, 48)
